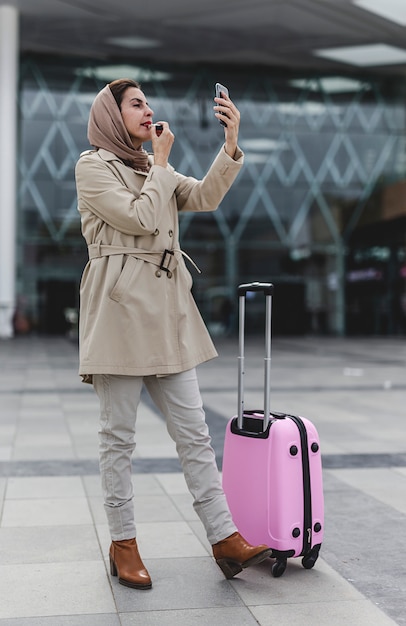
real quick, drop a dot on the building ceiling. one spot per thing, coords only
(271, 33)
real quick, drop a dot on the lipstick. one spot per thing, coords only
(158, 128)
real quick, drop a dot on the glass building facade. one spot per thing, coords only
(319, 208)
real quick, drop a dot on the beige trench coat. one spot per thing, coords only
(137, 318)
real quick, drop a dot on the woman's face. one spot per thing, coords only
(137, 116)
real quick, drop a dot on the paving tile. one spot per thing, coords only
(81, 423)
(103, 534)
(79, 395)
(153, 440)
(3, 484)
(320, 584)
(7, 430)
(173, 483)
(385, 484)
(331, 613)
(92, 485)
(44, 487)
(46, 401)
(179, 583)
(168, 540)
(46, 512)
(147, 484)
(96, 506)
(54, 589)
(191, 617)
(32, 414)
(155, 509)
(365, 543)
(85, 450)
(184, 504)
(41, 431)
(42, 452)
(110, 619)
(155, 450)
(198, 529)
(11, 379)
(161, 540)
(6, 453)
(54, 536)
(48, 544)
(147, 509)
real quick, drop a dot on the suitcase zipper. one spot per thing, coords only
(307, 497)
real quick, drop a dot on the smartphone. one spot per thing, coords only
(221, 89)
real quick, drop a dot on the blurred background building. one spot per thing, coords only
(320, 206)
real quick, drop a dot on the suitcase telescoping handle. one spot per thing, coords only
(267, 290)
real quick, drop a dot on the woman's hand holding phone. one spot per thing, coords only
(228, 116)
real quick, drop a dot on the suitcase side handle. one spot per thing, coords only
(267, 289)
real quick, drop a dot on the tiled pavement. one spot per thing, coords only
(53, 535)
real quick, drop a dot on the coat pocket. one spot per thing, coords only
(122, 286)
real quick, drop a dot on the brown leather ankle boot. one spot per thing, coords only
(125, 561)
(234, 554)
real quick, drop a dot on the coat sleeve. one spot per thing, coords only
(102, 192)
(206, 194)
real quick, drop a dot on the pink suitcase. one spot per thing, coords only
(272, 471)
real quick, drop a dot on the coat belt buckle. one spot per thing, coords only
(165, 262)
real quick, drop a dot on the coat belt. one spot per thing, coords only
(97, 250)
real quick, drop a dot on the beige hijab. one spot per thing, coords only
(106, 130)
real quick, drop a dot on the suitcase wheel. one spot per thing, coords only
(278, 568)
(310, 559)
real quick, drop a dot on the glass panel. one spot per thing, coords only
(314, 157)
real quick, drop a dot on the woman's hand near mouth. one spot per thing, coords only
(162, 142)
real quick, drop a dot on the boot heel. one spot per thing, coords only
(229, 568)
(113, 568)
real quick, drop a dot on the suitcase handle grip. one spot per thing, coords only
(266, 288)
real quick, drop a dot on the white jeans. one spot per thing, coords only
(177, 396)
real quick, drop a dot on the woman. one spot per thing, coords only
(138, 321)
